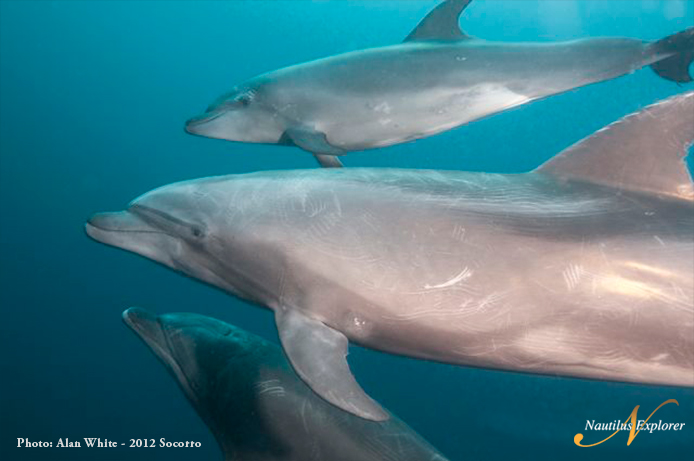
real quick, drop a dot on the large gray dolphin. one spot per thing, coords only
(583, 267)
(438, 79)
(256, 407)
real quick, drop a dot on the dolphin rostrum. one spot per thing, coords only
(583, 267)
(254, 404)
(438, 79)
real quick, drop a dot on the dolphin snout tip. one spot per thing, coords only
(99, 220)
(96, 224)
(147, 326)
(102, 222)
(139, 319)
(192, 124)
(115, 228)
(195, 124)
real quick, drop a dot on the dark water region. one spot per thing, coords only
(93, 97)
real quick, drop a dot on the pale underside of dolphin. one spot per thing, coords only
(438, 79)
(583, 267)
(254, 404)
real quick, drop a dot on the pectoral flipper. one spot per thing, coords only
(318, 354)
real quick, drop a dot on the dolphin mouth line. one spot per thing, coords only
(149, 329)
(112, 227)
(137, 219)
(97, 223)
(124, 231)
(204, 118)
(152, 332)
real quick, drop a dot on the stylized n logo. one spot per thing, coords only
(633, 432)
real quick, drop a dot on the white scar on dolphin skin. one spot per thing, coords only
(438, 79)
(256, 407)
(583, 267)
(465, 274)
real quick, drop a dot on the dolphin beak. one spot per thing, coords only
(120, 221)
(146, 325)
(149, 328)
(131, 231)
(194, 125)
(107, 227)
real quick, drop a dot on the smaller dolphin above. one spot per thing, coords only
(583, 267)
(438, 79)
(255, 406)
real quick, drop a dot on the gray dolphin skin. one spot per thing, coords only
(438, 79)
(583, 267)
(257, 408)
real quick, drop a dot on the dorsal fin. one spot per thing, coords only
(442, 23)
(644, 151)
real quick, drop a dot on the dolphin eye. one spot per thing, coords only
(244, 100)
(197, 232)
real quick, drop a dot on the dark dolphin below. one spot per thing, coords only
(437, 80)
(257, 408)
(583, 267)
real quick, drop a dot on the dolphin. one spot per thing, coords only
(583, 267)
(438, 79)
(253, 403)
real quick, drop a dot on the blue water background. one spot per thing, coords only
(93, 96)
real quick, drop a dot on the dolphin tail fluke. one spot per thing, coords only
(680, 48)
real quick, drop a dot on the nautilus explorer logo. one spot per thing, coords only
(631, 424)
